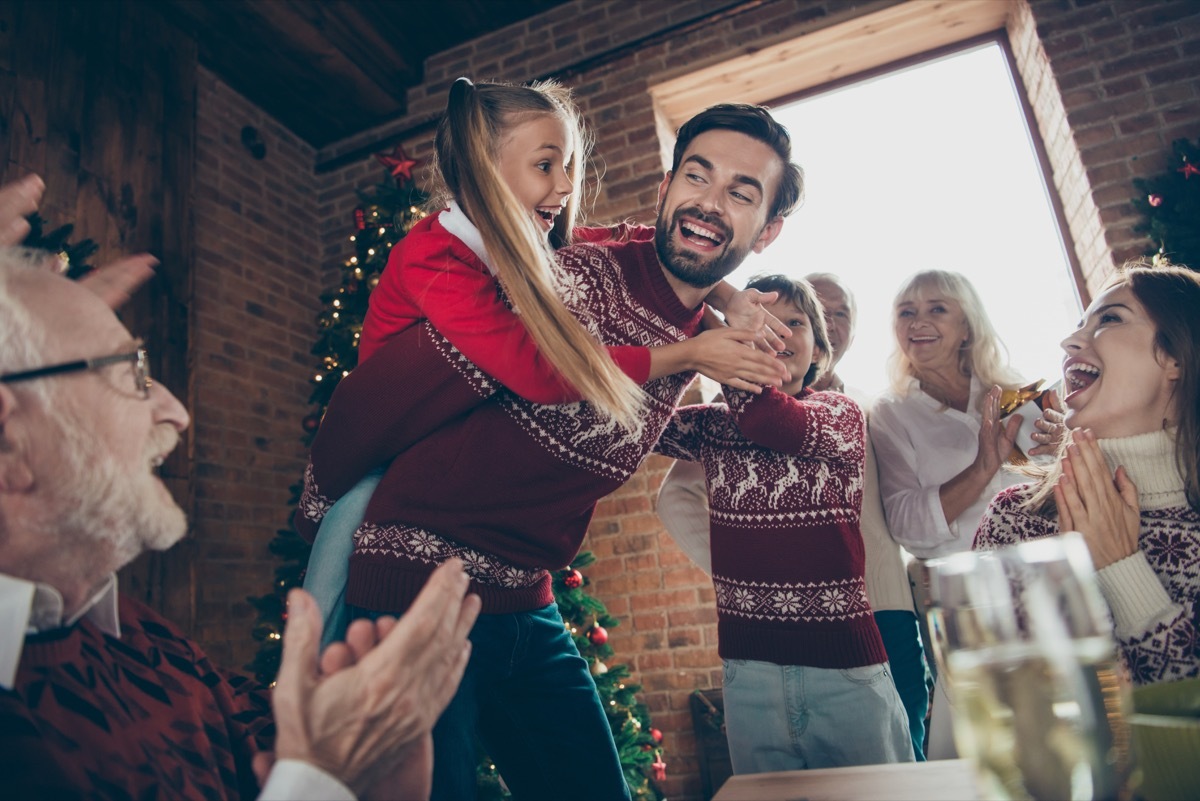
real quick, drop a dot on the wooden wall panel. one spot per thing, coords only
(99, 99)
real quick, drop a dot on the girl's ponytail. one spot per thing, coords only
(523, 261)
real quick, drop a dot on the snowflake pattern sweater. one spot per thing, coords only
(1153, 594)
(142, 716)
(510, 486)
(785, 481)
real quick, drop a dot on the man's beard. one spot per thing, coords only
(104, 502)
(688, 266)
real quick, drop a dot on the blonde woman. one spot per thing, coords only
(937, 433)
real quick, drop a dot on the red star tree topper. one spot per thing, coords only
(398, 163)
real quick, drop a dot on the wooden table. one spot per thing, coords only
(941, 780)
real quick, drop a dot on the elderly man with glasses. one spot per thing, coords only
(100, 696)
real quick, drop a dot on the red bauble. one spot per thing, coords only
(647, 747)
(573, 579)
(598, 635)
(1155, 200)
(656, 735)
(311, 423)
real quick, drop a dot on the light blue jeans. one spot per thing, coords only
(790, 717)
(329, 560)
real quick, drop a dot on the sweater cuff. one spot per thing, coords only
(293, 780)
(1134, 593)
(634, 361)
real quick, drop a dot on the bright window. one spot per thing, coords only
(928, 167)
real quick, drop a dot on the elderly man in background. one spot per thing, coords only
(683, 508)
(99, 695)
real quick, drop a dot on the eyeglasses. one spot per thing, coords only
(141, 370)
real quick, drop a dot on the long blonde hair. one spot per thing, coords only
(983, 355)
(477, 118)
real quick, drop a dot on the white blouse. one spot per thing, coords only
(921, 444)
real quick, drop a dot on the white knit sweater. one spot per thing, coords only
(1154, 593)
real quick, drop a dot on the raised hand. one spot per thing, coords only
(995, 436)
(18, 199)
(746, 309)
(722, 355)
(1100, 505)
(1051, 427)
(364, 720)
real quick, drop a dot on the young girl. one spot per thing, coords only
(1127, 474)
(511, 159)
(806, 675)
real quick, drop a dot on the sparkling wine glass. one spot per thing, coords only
(1023, 635)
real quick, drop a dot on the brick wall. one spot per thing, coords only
(1112, 82)
(1112, 85)
(258, 283)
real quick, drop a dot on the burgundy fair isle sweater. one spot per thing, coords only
(508, 487)
(1153, 594)
(785, 479)
(143, 716)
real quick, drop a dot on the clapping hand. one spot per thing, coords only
(1051, 427)
(364, 711)
(996, 436)
(114, 282)
(18, 199)
(1100, 505)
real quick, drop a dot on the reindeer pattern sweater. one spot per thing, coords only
(508, 485)
(785, 481)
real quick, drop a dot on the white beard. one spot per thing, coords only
(100, 501)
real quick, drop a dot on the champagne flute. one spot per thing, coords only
(1062, 611)
(1024, 636)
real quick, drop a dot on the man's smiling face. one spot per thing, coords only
(712, 212)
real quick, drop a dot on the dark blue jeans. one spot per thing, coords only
(528, 696)
(902, 640)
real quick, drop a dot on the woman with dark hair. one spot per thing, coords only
(1126, 475)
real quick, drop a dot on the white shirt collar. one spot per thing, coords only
(455, 221)
(28, 607)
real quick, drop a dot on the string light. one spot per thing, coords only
(382, 231)
(318, 377)
(353, 238)
(354, 259)
(370, 251)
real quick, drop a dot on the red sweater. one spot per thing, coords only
(433, 275)
(143, 716)
(785, 478)
(510, 486)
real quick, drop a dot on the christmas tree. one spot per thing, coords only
(387, 213)
(1171, 204)
(638, 745)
